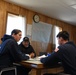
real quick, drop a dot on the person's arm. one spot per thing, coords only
(32, 54)
(50, 60)
(16, 54)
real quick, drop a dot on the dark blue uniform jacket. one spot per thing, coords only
(66, 54)
(10, 52)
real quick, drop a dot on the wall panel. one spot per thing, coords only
(6, 7)
(30, 17)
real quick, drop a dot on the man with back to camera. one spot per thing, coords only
(65, 53)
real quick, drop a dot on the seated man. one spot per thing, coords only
(65, 53)
(10, 52)
(26, 48)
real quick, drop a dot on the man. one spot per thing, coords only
(10, 52)
(65, 53)
(26, 48)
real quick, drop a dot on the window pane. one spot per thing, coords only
(56, 30)
(16, 22)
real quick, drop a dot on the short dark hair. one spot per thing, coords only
(64, 35)
(15, 31)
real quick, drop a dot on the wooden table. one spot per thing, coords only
(35, 64)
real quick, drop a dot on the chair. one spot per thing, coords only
(8, 69)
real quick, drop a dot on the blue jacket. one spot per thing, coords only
(66, 54)
(10, 52)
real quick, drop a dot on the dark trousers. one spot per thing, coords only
(21, 70)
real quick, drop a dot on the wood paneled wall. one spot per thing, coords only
(6, 7)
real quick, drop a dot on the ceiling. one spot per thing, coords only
(58, 9)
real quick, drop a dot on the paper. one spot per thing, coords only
(34, 59)
(43, 56)
(27, 54)
(29, 30)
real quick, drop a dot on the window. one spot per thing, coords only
(16, 22)
(56, 30)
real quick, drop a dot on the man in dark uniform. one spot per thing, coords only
(65, 53)
(26, 48)
(10, 52)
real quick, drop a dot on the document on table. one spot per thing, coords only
(37, 58)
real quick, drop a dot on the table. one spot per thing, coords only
(34, 64)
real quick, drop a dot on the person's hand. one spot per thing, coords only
(56, 49)
(32, 55)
